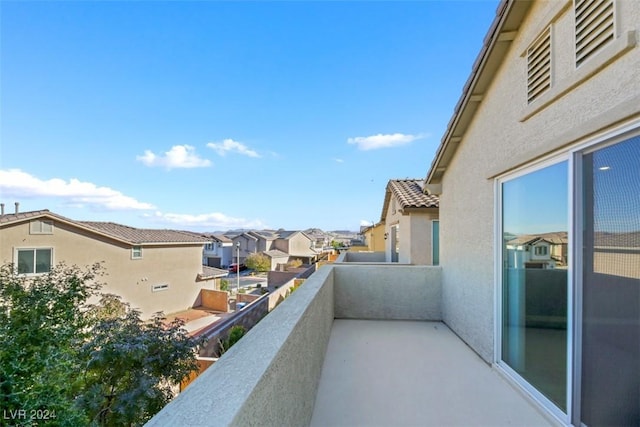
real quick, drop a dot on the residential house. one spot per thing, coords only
(411, 227)
(242, 245)
(298, 245)
(321, 239)
(546, 139)
(374, 237)
(277, 258)
(153, 270)
(218, 251)
(548, 250)
(266, 239)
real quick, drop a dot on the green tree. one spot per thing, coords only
(132, 366)
(88, 365)
(42, 328)
(258, 262)
(224, 285)
(235, 333)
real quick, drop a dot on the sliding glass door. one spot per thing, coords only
(570, 328)
(535, 284)
(610, 348)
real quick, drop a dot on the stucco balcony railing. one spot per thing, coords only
(355, 345)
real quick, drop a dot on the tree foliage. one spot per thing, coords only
(235, 333)
(258, 262)
(87, 364)
(294, 263)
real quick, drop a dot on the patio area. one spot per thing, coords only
(412, 373)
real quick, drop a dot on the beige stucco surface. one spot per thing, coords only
(132, 279)
(414, 234)
(507, 132)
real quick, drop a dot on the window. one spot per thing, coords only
(136, 252)
(541, 250)
(571, 334)
(34, 261)
(435, 242)
(160, 287)
(594, 27)
(41, 227)
(539, 66)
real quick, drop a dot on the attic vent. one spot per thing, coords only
(594, 27)
(539, 66)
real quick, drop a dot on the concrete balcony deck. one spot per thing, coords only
(410, 373)
(356, 345)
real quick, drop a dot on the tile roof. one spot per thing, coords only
(141, 235)
(409, 194)
(117, 231)
(8, 218)
(210, 272)
(275, 253)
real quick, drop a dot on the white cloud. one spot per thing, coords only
(375, 142)
(180, 156)
(365, 223)
(213, 220)
(229, 145)
(19, 184)
(338, 160)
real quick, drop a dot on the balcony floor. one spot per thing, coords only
(407, 373)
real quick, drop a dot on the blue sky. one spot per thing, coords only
(218, 115)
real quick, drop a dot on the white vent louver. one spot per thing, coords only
(539, 66)
(594, 26)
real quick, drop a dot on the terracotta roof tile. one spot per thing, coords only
(7, 218)
(409, 194)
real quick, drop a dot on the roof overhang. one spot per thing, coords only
(503, 30)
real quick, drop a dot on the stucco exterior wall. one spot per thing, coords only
(299, 244)
(414, 235)
(282, 355)
(374, 238)
(421, 249)
(132, 279)
(507, 132)
(388, 292)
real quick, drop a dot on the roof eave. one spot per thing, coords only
(509, 17)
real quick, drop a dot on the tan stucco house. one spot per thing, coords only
(545, 140)
(153, 270)
(410, 219)
(374, 237)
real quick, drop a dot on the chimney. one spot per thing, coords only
(1, 208)
(17, 207)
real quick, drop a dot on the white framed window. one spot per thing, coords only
(541, 250)
(39, 226)
(160, 287)
(33, 260)
(136, 252)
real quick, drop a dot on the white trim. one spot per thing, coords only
(533, 167)
(575, 184)
(34, 249)
(576, 270)
(133, 252)
(497, 271)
